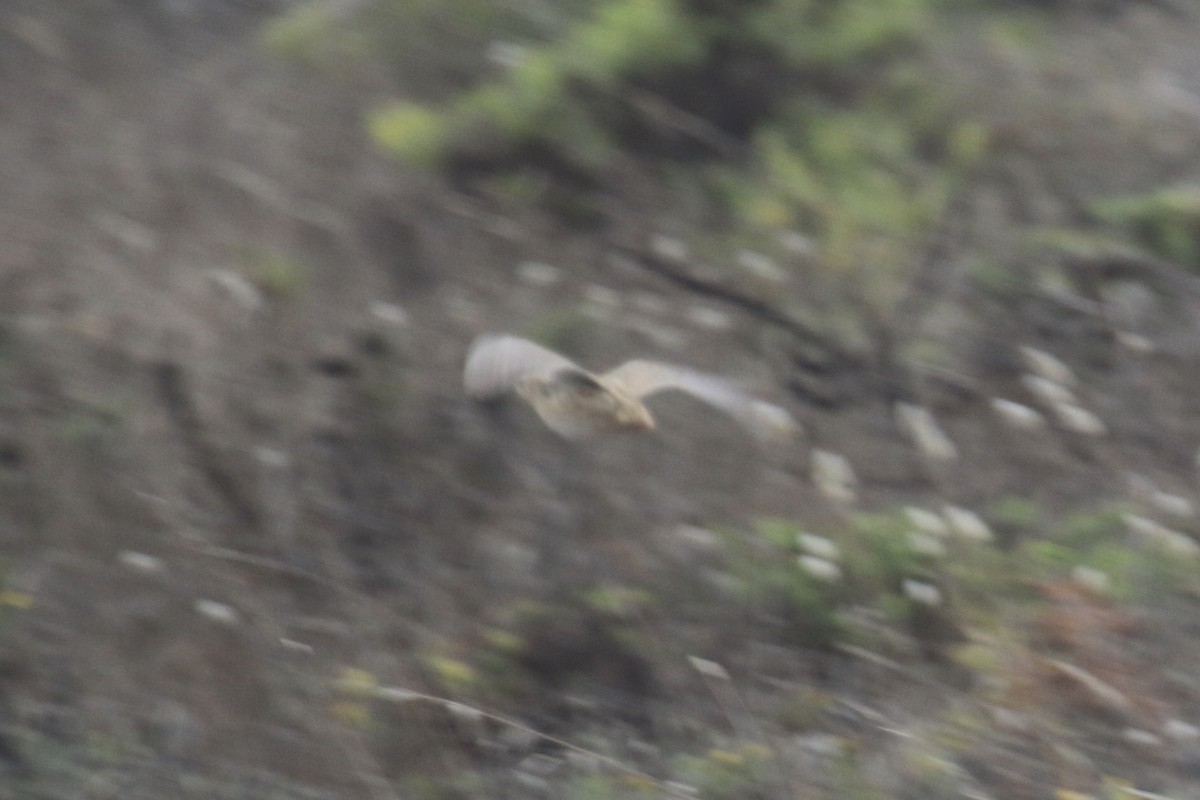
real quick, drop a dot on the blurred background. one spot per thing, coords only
(257, 543)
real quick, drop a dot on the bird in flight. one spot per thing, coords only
(577, 404)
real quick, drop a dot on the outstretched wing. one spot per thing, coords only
(496, 363)
(641, 378)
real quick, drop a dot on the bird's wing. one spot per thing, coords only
(496, 363)
(641, 378)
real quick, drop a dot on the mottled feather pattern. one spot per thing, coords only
(577, 403)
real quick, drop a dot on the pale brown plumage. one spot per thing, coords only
(576, 403)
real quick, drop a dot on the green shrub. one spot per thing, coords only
(1165, 222)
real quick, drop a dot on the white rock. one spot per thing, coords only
(217, 612)
(140, 562)
(1173, 504)
(708, 318)
(1135, 342)
(1017, 415)
(1181, 731)
(296, 646)
(1161, 536)
(967, 524)
(920, 592)
(535, 273)
(710, 669)
(928, 521)
(820, 568)
(1080, 420)
(649, 303)
(1141, 738)
(926, 544)
(271, 457)
(668, 247)
(818, 546)
(596, 294)
(237, 288)
(922, 428)
(772, 423)
(1091, 578)
(504, 54)
(1048, 366)
(798, 244)
(761, 267)
(390, 313)
(833, 476)
(1046, 390)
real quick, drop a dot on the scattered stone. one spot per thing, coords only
(1181, 731)
(818, 546)
(1017, 415)
(1135, 342)
(296, 647)
(1141, 738)
(833, 476)
(925, 544)
(668, 248)
(649, 303)
(710, 669)
(922, 428)
(1091, 578)
(237, 288)
(271, 457)
(967, 524)
(798, 244)
(927, 521)
(676, 787)
(535, 273)
(1173, 504)
(389, 313)
(708, 318)
(1047, 391)
(761, 267)
(663, 336)
(1159, 535)
(822, 744)
(820, 568)
(1080, 420)
(217, 612)
(140, 562)
(924, 593)
(505, 54)
(696, 539)
(1048, 366)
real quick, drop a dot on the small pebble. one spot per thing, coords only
(1048, 366)
(924, 593)
(928, 521)
(535, 273)
(217, 612)
(668, 248)
(820, 568)
(967, 524)
(818, 546)
(1046, 390)
(140, 562)
(922, 428)
(1017, 415)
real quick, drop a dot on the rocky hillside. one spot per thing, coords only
(257, 542)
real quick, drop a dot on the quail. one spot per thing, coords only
(578, 404)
